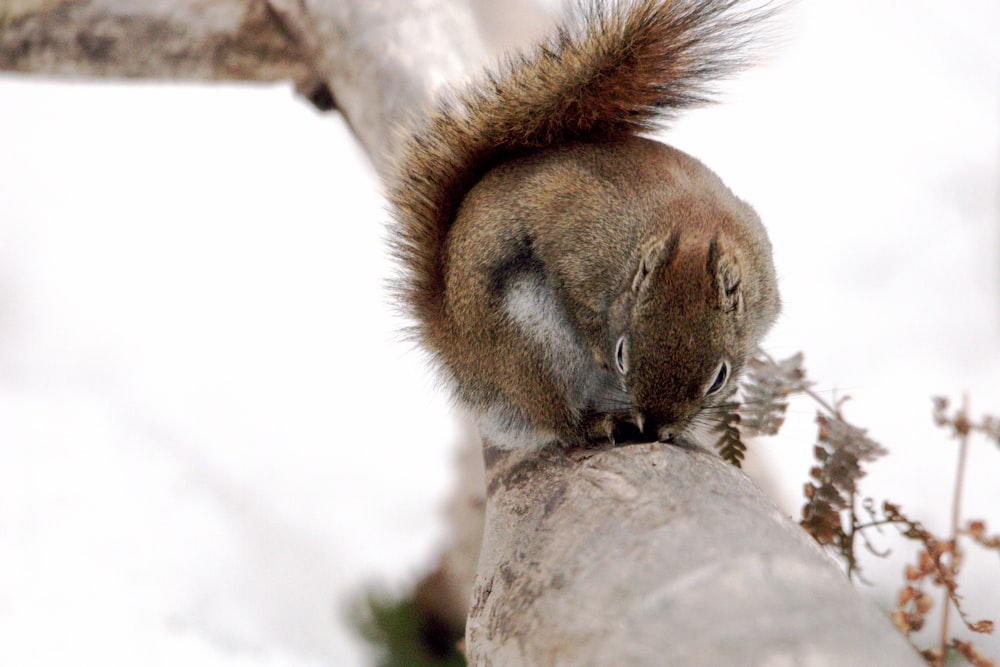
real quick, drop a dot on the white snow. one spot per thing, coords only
(213, 437)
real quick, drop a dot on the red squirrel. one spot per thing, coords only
(576, 281)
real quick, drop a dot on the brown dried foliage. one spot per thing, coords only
(764, 391)
(976, 529)
(831, 515)
(730, 444)
(967, 651)
(938, 562)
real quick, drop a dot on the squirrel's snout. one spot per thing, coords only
(662, 429)
(654, 430)
(648, 428)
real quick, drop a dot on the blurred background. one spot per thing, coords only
(213, 437)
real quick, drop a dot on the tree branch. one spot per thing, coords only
(657, 555)
(154, 39)
(384, 60)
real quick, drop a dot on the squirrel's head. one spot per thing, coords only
(699, 296)
(684, 333)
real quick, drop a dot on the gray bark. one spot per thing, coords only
(653, 555)
(641, 555)
(385, 61)
(156, 39)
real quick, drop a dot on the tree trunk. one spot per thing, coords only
(640, 555)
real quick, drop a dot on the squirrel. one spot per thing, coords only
(576, 281)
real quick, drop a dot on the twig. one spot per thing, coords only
(962, 430)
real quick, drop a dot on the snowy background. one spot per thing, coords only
(212, 437)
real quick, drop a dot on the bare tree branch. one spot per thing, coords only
(154, 39)
(384, 60)
(657, 555)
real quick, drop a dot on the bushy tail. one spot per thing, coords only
(621, 67)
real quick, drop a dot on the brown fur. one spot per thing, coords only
(526, 206)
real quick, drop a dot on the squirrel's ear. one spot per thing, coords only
(655, 252)
(726, 275)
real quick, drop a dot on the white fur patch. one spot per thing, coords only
(503, 430)
(536, 309)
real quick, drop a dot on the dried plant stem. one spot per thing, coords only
(956, 513)
(822, 402)
(852, 564)
(805, 389)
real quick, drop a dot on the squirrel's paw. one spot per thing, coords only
(614, 428)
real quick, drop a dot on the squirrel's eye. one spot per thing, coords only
(720, 379)
(621, 356)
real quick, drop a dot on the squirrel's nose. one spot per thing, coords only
(652, 429)
(667, 434)
(657, 428)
